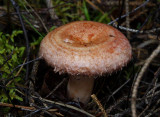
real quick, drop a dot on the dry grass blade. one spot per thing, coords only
(99, 104)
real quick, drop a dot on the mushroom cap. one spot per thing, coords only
(85, 48)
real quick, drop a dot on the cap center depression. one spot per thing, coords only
(85, 35)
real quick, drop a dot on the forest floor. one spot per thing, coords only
(29, 87)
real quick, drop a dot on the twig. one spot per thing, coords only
(96, 7)
(34, 71)
(64, 79)
(146, 43)
(152, 95)
(39, 109)
(15, 5)
(153, 111)
(157, 73)
(95, 99)
(131, 3)
(134, 10)
(16, 73)
(135, 16)
(135, 31)
(120, 13)
(25, 35)
(127, 18)
(118, 89)
(27, 108)
(51, 11)
(18, 106)
(37, 59)
(65, 105)
(37, 16)
(117, 104)
(33, 80)
(136, 84)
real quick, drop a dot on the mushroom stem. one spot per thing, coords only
(80, 88)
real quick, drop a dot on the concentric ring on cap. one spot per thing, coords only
(85, 48)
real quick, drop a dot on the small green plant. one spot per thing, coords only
(94, 15)
(70, 11)
(10, 57)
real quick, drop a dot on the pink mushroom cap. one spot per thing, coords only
(86, 48)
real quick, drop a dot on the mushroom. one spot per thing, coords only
(85, 50)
